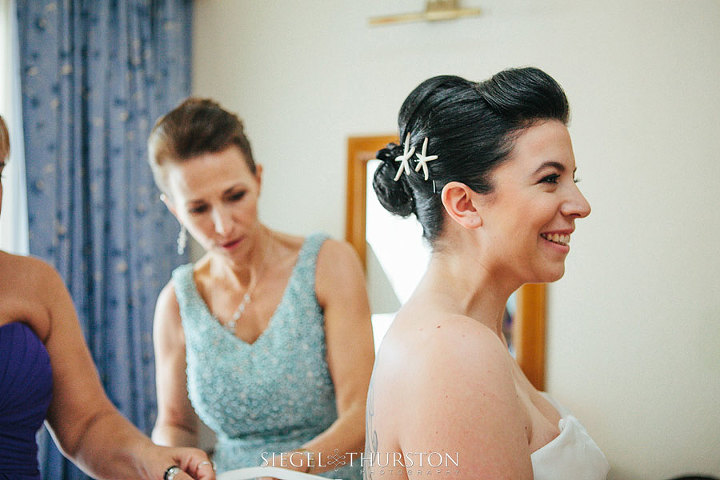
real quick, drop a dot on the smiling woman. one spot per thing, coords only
(537, 207)
(497, 204)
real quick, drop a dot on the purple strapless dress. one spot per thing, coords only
(25, 394)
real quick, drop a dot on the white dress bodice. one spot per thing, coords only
(572, 455)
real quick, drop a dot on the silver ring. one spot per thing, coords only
(171, 472)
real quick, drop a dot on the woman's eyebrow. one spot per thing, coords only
(553, 164)
(234, 188)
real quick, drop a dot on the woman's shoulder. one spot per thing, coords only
(433, 342)
(332, 258)
(442, 365)
(27, 269)
(333, 249)
(469, 348)
(424, 349)
(338, 269)
(167, 298)
(449, 335)
(31, 289)
(11, 259)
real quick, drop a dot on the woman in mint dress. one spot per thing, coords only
(267, 337)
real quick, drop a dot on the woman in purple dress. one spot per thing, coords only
(46, 373)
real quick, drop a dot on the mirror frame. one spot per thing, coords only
(529, 322)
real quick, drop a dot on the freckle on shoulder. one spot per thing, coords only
(459, 333)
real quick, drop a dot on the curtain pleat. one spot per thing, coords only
(95, 76)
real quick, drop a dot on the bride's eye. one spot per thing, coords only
(550, 178)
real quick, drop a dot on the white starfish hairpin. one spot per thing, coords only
(423, 158)
(407, 154)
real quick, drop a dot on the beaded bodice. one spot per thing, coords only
(269, 396)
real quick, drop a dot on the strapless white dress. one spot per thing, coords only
(572, 455)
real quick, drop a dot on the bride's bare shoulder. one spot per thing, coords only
(437, 333)
(455, 374)
(417, 351)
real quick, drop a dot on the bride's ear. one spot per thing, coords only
(457, 198)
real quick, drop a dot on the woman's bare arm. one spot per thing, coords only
(85, 424)
(177, 423)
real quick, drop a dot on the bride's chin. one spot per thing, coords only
(550, 275)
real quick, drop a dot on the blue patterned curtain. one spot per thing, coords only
(95, 76)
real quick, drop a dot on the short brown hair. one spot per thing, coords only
(195, 127)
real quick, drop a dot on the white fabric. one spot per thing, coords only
(572, 455)
(273, 472)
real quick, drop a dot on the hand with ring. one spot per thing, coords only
(189, 463)
(171, 472)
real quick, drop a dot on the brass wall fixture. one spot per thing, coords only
(435, 10)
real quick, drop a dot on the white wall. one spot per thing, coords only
(634, 327)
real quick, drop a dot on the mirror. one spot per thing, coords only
(526, 322)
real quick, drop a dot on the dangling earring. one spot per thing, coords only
(182, 240)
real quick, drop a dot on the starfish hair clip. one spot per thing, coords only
(423, 158)
(404, 159)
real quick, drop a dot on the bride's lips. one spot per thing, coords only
(559, 239)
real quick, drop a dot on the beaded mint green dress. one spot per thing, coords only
(270, 396)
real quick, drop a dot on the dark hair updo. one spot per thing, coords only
(471, 127)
